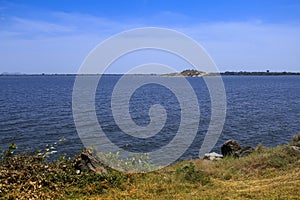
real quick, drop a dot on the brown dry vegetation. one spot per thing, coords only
(268, 173)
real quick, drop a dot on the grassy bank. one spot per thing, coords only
(268, 173)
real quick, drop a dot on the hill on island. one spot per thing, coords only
(188, 73)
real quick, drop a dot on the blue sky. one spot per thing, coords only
(54, 36)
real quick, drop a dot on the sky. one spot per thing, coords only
(55, 36)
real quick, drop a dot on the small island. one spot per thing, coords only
(187, 73)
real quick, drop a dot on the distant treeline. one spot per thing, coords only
(244, 73)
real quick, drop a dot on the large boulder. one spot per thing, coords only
(89, 162)
(230, 147)
(233, 148)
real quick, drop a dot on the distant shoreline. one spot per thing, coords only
(227, 73)
(260, 73)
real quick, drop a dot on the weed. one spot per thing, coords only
(190, 174)
(138, 163)
(9, 153)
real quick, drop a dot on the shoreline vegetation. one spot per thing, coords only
(266, 173)
(184, 73)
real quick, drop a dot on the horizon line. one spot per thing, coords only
(223, 72)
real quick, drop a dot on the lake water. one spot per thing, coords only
(37, 110)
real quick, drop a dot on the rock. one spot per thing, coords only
(296, 138)
(230, 147)
(88, 162)
(233, 148)
(212, 156)
(246, 151)
(294, 149)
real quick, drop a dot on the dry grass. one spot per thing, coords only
(269, 173)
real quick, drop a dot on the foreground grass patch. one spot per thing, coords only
(268, 173)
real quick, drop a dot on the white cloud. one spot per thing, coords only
(60, 43)
(250, 45)
(35, 26)
(57, 45)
